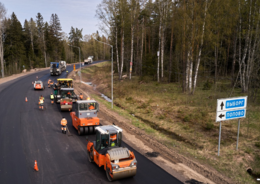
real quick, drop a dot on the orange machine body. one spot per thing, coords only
(119, 162)
(81, 122)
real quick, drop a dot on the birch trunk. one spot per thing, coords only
(122, 53)
(162, 50)
(158, 63)
(245, 52)
(117, 56)
(200, 48)
(132, 51)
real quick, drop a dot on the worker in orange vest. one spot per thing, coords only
(63, 125)
(81, 96)
(91, 106)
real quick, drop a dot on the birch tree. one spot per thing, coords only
(2, 16)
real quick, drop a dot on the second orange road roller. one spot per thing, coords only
(119, 162)
(84, 117)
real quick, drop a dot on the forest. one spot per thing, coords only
(36, 43)
(185, 41)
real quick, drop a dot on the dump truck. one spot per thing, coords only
(55, 68)
(84, 117)
(119, 162)
(38, 85)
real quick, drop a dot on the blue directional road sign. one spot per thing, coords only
(231, 108)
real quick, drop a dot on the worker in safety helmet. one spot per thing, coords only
(91, 106)
(81, 96)
(113, 140)
(52, 98)
(63, 125)
(41, 101)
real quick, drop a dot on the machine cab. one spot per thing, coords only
(107, 137)
(86, 108)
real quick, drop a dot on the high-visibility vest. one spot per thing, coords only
(41, 100)
(113, 144)
(81, 97)
(63, 122)
(52, 97)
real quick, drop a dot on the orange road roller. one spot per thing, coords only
(84, 118)
(106, 150)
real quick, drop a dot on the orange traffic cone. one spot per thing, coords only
(26, 99)
(36, 166)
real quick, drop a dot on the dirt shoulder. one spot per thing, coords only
(182, 168)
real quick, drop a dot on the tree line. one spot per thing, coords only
(36, 43)
(177, 41)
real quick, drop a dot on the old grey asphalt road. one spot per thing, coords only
(28, 134)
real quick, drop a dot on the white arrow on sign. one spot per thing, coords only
(228, 104)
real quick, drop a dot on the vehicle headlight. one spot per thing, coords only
(114, 166)
(58, 96)
(133, 163)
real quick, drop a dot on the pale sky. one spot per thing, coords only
(76, 13)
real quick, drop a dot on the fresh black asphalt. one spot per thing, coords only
(28, 134)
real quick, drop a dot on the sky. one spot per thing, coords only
(77, 13)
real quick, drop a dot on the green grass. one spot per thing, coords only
(191, 116)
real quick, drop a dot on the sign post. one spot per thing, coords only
(228, 109)
(238, 133)
(219, 137)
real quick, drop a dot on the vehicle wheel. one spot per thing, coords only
(108, 176)
(94, 130)
(80, 130)
(86, 130)
(90, 130)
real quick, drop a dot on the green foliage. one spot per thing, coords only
(209, 126)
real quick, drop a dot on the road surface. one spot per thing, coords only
(28, 134)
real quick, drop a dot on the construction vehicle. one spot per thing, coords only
(62, 87)
(38, 85)
(66, 101)
(55, 68)
(64, 65)
(84, 117)
(119, 162)
(89, 60)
